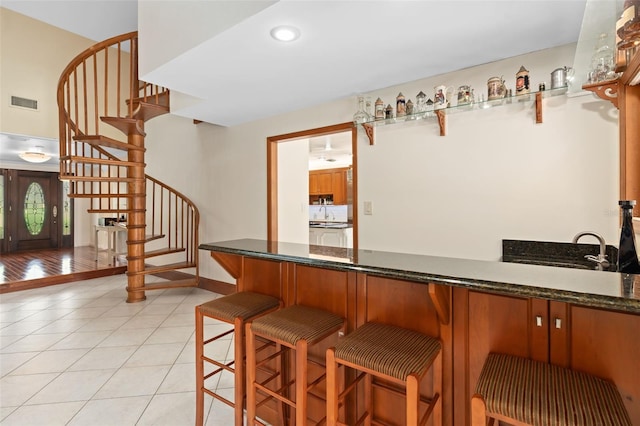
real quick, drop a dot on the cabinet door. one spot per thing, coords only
(333, 237)
(339, 187)
(313, 184)
(325, 183)
(607, 344)
(485, 323)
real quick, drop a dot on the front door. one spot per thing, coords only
(33, 210)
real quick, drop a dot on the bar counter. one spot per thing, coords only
(585, 320)
(609, 290)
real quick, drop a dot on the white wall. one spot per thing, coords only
(293, 191)
(496, 175)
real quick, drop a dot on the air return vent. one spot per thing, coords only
(24, 103)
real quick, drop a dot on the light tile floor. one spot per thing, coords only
(78, 354)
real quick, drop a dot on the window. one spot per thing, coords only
(34, 208)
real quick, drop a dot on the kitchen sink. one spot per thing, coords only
(336, 225)
(558, 254)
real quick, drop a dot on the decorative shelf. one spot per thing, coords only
(605, 90)
(441, 114)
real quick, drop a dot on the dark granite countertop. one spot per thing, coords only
(608, 290)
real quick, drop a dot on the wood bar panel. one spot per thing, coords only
(470, 323)
(606, 344)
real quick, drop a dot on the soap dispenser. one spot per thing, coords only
(627, 255)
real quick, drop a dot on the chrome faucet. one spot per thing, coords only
(601, 260)
(325, 211)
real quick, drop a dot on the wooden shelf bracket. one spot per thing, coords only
(605, 90)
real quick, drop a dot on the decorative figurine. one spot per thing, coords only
(522, 81)
(410, 108)
(388, 112)
(429, 106)
(421, 102)
(379, 109)
(401, 106)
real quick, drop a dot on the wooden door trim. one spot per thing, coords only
(272, 172)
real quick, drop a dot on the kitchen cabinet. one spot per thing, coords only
(320, 182)
(334, 237)
(576, 337)
(339, 186)
(328, 182)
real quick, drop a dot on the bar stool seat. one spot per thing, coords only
(295, 327)
(392, 353)
(236, 309)
(515, 389)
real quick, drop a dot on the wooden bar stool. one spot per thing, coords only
(235, 309)
(293, 328)
(393, 354)
(525, 392)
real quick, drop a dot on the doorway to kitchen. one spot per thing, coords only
(289, 171)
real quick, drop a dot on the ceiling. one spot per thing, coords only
(346, 47)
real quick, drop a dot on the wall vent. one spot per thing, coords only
(17, 101)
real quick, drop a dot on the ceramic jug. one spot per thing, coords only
(442, 96)
(496, 88)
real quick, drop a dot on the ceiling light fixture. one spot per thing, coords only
(35, 155)
(285, 33)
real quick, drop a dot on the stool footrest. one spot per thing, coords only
(219, 336)
(218, 397)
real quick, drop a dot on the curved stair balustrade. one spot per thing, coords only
(100, 99)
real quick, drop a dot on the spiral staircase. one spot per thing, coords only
(103, 108)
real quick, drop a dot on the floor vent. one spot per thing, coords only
(24, 103)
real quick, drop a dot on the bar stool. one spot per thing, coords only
(236, 309)
(525, 392)
(295, 328)
(393, 354)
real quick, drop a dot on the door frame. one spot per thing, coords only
(11, 214)
(272, 172)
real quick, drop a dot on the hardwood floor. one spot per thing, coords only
(30, 269)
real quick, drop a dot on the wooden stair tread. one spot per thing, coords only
(188, 282)
(152, 237)
(163, 251)
(100, 140)
(168, 267)
(146, 111)
(128, 126)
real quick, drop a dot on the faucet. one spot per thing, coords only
(601, 260)
(325, 211)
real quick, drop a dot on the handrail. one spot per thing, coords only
(99, 83)
(102, 81)
(179, 225)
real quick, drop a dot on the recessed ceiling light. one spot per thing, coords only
(285, 33)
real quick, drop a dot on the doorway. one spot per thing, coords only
(274, 142)
(36, 213)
